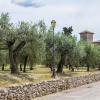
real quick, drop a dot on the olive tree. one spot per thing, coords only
(14, 39)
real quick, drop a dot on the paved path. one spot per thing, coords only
(87, 92)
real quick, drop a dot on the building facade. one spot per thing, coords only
(88, 36)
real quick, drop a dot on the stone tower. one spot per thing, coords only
(86, 36)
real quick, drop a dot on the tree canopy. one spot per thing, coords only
(31, 43)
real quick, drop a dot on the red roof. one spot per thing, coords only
(84, 32)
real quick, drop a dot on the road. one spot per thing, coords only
(87, 92)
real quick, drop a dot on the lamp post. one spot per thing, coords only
(53, 24)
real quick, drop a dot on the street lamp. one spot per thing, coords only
(53, 24)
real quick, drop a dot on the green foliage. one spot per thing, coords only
(49, 45)
(35, 47)
(39, 45)
(67, 31)
(30, 34)
(90, 54)
(6, 28)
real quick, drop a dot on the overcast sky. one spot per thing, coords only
(81, 14)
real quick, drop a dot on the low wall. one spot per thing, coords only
(30, 91)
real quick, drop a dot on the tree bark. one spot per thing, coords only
(13, 55)
(20, 67)
(88, 68)
(14, 69)
(25, 62)
(99, 66)
(61, 63)
(71, 67)
(3, 65)
(18, 48)
(31, 67)
(60, 67)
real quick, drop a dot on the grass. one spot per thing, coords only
(38, 74)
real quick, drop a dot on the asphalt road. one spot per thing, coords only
(87, 92)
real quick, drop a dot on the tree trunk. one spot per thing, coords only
(31, 67)
(88, 68)
(61, 63)
(13, 55)
(71, 67)
(25, 62)
(99, 66)
(14, 69)
(3, 65)
(60, 67)
(20, 67)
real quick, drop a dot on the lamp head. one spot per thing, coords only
(53, 23)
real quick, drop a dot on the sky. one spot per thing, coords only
(81, 14)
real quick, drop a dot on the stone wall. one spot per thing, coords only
(30, 91)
